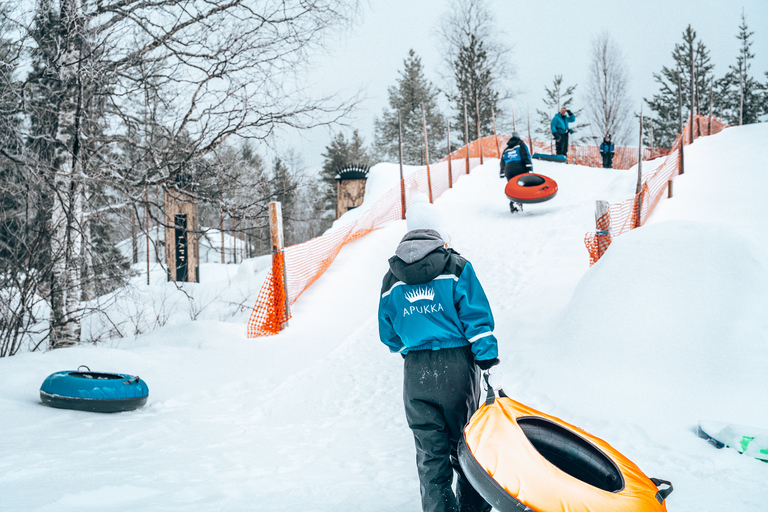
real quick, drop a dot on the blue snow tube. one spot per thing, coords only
(551, 158)
(93, 391)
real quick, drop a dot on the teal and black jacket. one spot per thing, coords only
(516, 159)
(560, 123)
(431, 299)
(607, 148)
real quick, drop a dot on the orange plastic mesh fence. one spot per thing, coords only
(270, 318)
(304, 263)
(603, 233)
(623, 215)
(588, 154)
(624, 156)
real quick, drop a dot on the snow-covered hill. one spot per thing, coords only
(669, 328)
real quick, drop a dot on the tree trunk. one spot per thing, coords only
(66, 247)
(60, 337)
(67, 211)
(86, 276)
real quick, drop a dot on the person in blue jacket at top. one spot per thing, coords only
(560, 130)
(434, 312)
(515, 160)
(607, 150)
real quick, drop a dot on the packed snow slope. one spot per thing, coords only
(667, 329)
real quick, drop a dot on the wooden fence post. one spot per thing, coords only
(693, 94)
(426, 151)
(479, 137)
(450, 169)
(278, 258)
(709, 123)
(680, 128)
(496, 137)
(466, 134)
(741, 95)
(603, 227)
(530, 140)
(639, 187)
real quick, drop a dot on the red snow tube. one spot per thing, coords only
(530, 188)
(520, 459)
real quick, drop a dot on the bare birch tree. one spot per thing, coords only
(608, 106)
(124, 99)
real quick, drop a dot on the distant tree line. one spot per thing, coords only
(737, 97)
(475, 90)
(474, 58)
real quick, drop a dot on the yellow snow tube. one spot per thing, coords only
(520, 459)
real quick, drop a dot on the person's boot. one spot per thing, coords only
(515, 207)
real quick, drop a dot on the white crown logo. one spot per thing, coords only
(420, 293)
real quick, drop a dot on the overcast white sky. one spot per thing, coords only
(547, 37)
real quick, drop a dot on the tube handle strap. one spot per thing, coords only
(663, 493)
(490, 396)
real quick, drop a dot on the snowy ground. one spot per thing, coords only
(669, 328)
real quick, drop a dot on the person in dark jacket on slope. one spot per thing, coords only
(515, 160)
(560, 130)
(607, 150)
(434, 312)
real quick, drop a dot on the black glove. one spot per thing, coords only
(570, 130)
(569, 112)
(486, 364)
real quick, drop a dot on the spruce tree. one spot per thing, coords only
(664, 104)
(557, 97)
(411, 92)
(738, 83)
(475, 86)
(478, 63)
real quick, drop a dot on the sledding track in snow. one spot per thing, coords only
(312, 419)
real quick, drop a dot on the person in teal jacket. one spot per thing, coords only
(560, 130)
(434, 312)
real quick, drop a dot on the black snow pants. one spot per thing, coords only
(607, 160)
(513, 169)
(441, 391)
(561, 143)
